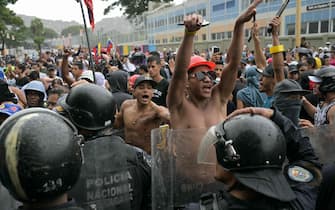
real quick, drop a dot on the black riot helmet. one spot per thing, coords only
(253, 149)
(250, 142)
(40, 155)
(90, 107)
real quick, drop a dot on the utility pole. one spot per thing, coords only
(298, 23)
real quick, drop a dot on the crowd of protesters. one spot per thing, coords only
(188, 88)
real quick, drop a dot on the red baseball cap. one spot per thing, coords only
(132, 79)
(200, 61)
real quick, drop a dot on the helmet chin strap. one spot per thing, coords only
(242, 192)
(235, 186)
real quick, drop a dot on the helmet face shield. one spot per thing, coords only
(214, 142)
(207, 147)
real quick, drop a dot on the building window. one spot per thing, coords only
(291, 29)
(230, 4)
(324, 26)
(313, 27)
(202, 12)
(245, 4)
(229, 34)
(158, 41)
(219, 7)
(222, 35)
(219, 36)
(303, 28)
(261, 31)
(204, 37)
(213, 36)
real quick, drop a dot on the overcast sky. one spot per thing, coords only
(66, 10)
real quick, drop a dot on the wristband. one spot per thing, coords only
(277, 49)
(190, 33)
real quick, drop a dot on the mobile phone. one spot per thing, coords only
(203, 24)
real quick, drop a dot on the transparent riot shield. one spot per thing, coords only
(105, 178)
(323, 141)
(6, 200)
(178, 179)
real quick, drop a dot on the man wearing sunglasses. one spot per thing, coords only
(202, 104)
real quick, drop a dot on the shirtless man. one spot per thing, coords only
(140, 115)
(205, 104)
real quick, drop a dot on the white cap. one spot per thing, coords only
(87, 74)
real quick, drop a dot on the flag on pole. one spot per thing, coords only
(109, 46)
(89, 5)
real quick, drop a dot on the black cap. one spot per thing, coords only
(51, 67)
(142, 79)
(289, 86)
(244, 61)
(293, 68)
(267, 72)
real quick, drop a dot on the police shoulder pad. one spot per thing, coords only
(299, 174)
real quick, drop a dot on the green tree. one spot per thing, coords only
(73, 30)
(37, 31)
(132, 8)
(11, 26)
(49, 33)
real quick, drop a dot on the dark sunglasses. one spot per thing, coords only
(202, 74)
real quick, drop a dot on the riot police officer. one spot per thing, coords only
(115, 175)
(250, 151)
(40, 159)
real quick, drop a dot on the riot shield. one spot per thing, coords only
(178, 180)
(6, 200)
(104, 182)
(323, 141)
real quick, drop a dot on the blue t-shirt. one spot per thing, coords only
(268, 102)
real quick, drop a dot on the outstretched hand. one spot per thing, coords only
(275, 23)
(192, 22)
(249, 12)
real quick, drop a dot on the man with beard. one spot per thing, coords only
(204, 104)
(140, 115)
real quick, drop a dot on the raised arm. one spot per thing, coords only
(277, 51)
(234, 53)
(259, 55)
(65, 68)
(176, 93)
